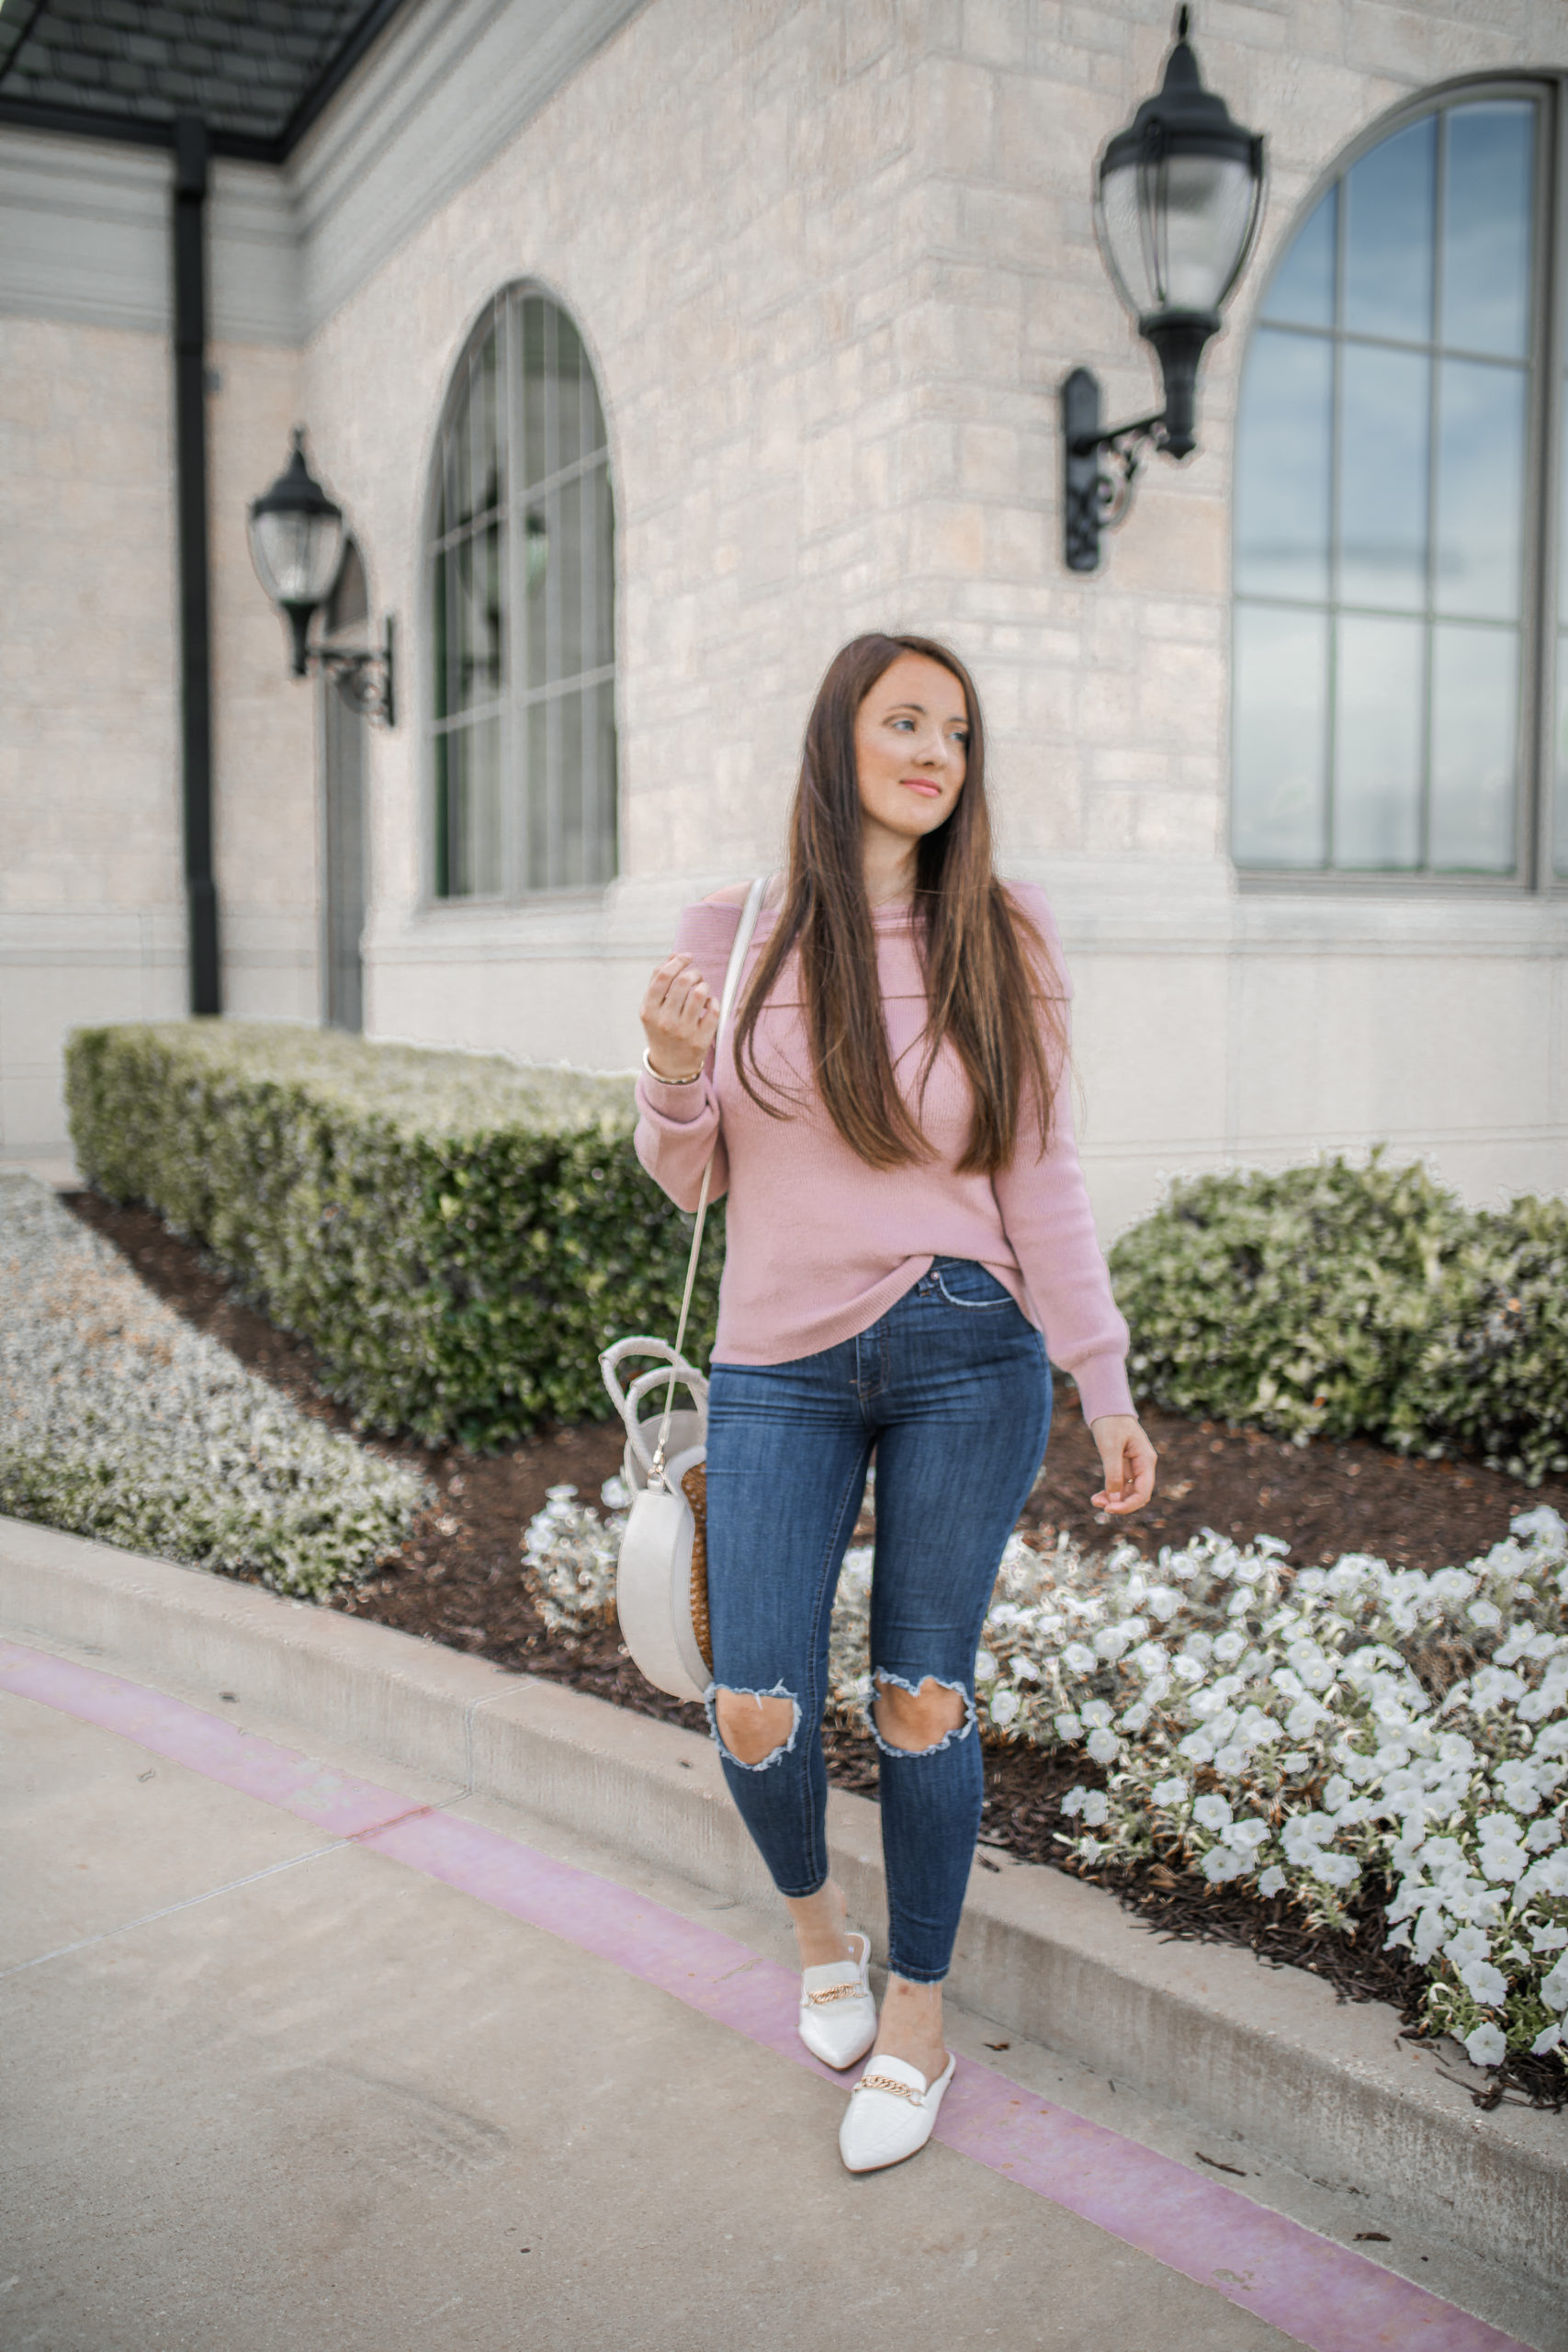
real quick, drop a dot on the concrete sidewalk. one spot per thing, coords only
(272, 2086)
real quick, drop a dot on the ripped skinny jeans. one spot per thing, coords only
(953, 1389)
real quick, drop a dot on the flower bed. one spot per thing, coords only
(1294, 1734)
(118, 1421)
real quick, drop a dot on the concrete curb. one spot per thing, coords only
(1259, 2054)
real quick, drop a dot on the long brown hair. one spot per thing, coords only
(990, 985)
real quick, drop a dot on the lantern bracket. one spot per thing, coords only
(1098, 495)
(365, 679)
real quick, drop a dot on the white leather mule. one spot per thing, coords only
(838, 2016)
(891, 2114)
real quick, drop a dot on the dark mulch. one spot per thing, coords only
(457, 1580)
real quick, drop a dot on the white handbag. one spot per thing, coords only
(662, 1572)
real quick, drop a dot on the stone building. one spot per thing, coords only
(651, 350)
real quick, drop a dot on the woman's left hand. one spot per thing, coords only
(1128, 1460)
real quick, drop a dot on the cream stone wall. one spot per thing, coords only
(832, 262)
(91, 899)
(93, 923)
(831, 258)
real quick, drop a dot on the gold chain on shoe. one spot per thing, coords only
(887, 2083)
(836, 1993)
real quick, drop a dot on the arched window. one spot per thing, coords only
(1395, 652)
(522, 613)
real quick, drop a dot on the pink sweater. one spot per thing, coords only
(819, 1246)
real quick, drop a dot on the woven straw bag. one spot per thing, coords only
(661, 1572)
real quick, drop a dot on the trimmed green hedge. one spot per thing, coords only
(1334, 1301)
(457, 1236)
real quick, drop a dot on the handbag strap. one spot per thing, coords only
(743, 931)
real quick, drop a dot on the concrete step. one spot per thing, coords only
(1264, 2057)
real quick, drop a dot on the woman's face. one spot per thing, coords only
(911, 747)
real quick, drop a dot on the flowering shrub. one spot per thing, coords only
(1327, 1300)
(1285, 1731)
(119, 1421)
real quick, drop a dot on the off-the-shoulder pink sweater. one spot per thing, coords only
(819, 1246)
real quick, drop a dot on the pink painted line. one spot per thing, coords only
(1325, 2295)
(219, 1751)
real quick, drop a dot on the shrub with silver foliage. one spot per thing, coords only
(119, 1421)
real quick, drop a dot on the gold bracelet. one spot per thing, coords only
(659, 1078)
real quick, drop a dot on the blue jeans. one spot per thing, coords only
(953, 1389)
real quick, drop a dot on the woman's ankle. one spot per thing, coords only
(821, 1937)
(910, 2027)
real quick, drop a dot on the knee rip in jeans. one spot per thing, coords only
(754, 1728)
(918, 1718)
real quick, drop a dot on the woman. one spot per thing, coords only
(906, 1216)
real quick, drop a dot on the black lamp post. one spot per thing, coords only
(1178, 201)
(297, 546)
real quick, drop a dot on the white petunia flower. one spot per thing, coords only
(985, 1666)
(1068, 1726)
(1335, 1870)
(1272, 1882)
(1546, 2042)
(1095, 1808)
(1515, 1779)
(1229, 1647)
(1467, 1945)
(1213, 1812)
(1110, 1643)
(1430, 1930)
(1298, 1761)
(1024, 1669)
(1484, 1983)
(1079, 1658)
(1164, 1600)
(1223, 1862)
(1554, 1988)
(1004, 1706)
(1486, 2046)
(1096, 1714)
(1103, 1746)
(1169, 1792)
(1073, 1803)
(1247, 1835)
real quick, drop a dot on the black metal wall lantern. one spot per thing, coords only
(1177, 202)
(297, 546)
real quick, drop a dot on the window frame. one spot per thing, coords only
(502, 315)
(1540, 618)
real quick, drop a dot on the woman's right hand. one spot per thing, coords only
(680, 1019)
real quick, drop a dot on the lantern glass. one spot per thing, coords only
(1175, 229)
(298, 552)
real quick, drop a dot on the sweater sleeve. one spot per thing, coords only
(679, 1125)
(1047, 1216)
